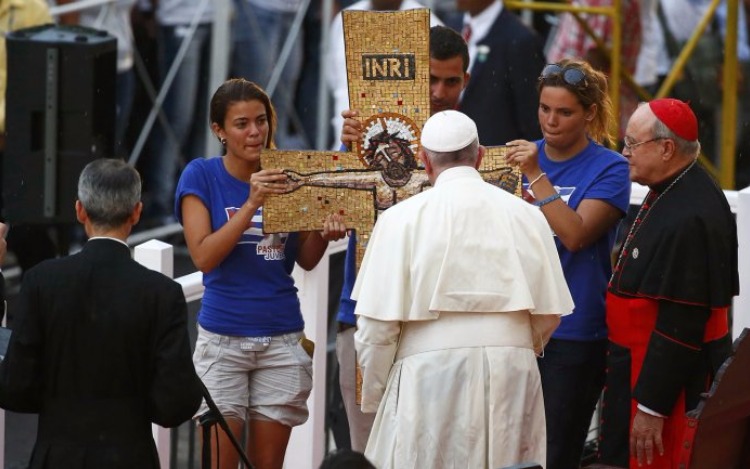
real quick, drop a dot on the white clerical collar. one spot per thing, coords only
(110, 238)
(457, 172)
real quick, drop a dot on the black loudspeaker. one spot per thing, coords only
(60, 110)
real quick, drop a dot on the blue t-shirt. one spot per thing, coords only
(347, 305)
(595, 173)
(251, 292)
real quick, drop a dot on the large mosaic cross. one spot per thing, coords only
(387, 58)
(387, 61)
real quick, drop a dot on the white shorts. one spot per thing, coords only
(272, 384)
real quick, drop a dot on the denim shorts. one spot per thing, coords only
(272, 384)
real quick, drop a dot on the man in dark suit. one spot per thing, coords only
(506, 59)
(100, 345)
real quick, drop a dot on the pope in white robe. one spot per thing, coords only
(459, 290)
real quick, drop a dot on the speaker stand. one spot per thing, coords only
(208, 421)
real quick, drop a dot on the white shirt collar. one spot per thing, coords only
(480, 28)
(481, 23)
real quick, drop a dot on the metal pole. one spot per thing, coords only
(58, 10)
(616, 62)
(729, 98)
(324, 122)
(221, 45)
(287, 49)
(687, 50)
(173, 69)
(51, 111)
(527, 16)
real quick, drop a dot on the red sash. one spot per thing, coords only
(630, 322)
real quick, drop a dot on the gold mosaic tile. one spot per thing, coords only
(495, 171)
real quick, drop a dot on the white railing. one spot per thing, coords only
(741, 308)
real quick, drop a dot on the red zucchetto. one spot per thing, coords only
(677, 116)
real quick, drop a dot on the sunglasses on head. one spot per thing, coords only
(570, 75)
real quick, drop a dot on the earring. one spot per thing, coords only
(223, 141)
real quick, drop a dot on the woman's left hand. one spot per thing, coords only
(334, 227)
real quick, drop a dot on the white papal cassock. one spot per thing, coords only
(457, 288)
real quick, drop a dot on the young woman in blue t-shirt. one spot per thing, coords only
(583, 190)
(248, 351)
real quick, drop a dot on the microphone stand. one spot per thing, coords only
(210, 419)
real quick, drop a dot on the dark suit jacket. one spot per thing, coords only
(100, 350)
(501, 96)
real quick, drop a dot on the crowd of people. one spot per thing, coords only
(503, 317)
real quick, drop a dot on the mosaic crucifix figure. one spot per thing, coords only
(329, 182)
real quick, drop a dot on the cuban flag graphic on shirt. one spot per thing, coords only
(269, 246)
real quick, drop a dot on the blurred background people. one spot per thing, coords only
(571, 41)
(506, 57)
(179, 24)
(260, 29)
(113, 18)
